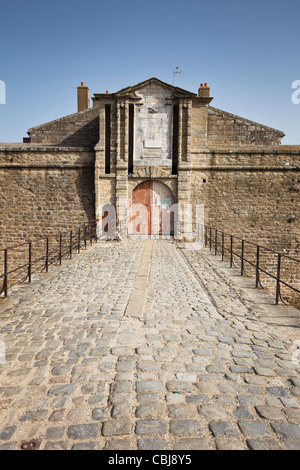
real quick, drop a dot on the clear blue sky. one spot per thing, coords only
(248, 52)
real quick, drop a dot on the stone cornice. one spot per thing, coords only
(29, 148)
(284, 150)
(245, 168)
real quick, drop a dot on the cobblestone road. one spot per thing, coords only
(95, 361)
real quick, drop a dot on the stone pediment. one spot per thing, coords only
(176, 91)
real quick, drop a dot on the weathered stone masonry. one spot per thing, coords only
(44, 190)
(73, 166)
(254, 195)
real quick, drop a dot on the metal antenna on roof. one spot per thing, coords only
(175, 72)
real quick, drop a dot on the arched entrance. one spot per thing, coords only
(150, 209)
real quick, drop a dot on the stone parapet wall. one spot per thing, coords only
(44, 191)
(254, 199)
(39, 155)
(254, 195)
(282, 157)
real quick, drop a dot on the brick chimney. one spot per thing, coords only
(82, 97)
(203, 91)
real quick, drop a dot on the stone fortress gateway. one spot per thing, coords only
(154, 132)
(155, 144)
(146, 344)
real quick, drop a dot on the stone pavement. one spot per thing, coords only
(142, 345)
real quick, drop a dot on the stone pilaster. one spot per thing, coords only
(180, 132)
(122, 197)
(188, 131)
(126, 130)
(122, 166)
(184, 196)
(99, 164)
(123, 130)
(117, 131)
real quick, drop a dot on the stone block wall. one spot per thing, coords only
(255, 195)
(199, 125)
(228, 129)
(43, 191)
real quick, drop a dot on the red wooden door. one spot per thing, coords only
(140, 219)
(150, 209)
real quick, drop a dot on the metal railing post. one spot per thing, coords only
(60, 248)
(78, 241)
(242, 257)
(231, 253)
(84, 235)
(257, 267)
(5, 279)
(47, 255)
(29, 261)
(210, 239)
(216, 242)
(71, 240)
(222, 246)
(278, 279)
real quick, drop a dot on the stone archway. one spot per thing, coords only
(150, 209)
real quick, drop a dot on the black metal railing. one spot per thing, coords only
(50, 250)
(225, 244)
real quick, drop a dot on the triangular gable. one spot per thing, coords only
(176, 90)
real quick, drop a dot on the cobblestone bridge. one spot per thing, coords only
(147, 345)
